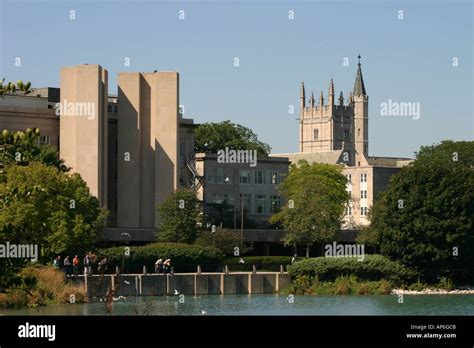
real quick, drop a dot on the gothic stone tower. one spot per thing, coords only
(336, 127)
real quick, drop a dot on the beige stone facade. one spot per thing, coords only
(84, 125)
(148, 145)
(339, 134)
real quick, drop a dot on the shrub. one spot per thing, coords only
(373, 267)
(343, 285)
(184, 257)
(267, 263)
(223, 239)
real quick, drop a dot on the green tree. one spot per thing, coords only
(223, 239)
(21, 147)
(425, 218)
(212, 137)
(316, 195)
(41, 205)
(179, 217)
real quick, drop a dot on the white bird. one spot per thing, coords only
(120, 298)
(241, 260)
(203, 312)
(176, 292)
(126, 282)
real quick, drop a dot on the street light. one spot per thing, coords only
(241, 220)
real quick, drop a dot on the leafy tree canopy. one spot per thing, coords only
(214, 136)
(425, 218)
(180, 215)
(41, 205)
(316, 195)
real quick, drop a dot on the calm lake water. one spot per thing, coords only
(268, 305)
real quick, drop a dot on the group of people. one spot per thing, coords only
(72, 268)
(163, 266)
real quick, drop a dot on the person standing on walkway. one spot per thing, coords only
(167, 266)
(67, 266)
(159, 265)
(75, 265)
(87, 265)
(57, 262)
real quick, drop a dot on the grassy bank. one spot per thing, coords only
(344, 285)
(49, 287)
(351, 285)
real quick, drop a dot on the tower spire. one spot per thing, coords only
(359, 87)
(331, 93)
(321, 99)
(311, 100)
(341, 99)
(302, 96)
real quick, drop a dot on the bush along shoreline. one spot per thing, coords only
(375, 275)
(46, 285)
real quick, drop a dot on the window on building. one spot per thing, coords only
(260, 177)
(109, 108)
(246, 200)
(346, 134)
(275, 203)
(260, 206)
(245, 176)
(275, 177)
(364, 211)
(316, 134)
(215, 175)
(349, 178)
(348, 210)
(43, 140)
(363, 177)
(115, 108)
(220, 198)
(363, 194)
(358, 132)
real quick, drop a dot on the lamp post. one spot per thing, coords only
(241, 219)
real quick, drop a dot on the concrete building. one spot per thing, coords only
(238, 184)
(148, 145)
(339, 134)
(83, 139)
(36, 109)
(132, 149)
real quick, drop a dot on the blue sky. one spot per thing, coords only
(406, 60)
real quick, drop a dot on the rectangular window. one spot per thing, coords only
(349, 178)
(316, 134)
(220, 198)
(348, 210)
(246, 198)
(245, 176)
(260, 206)
(275, 177)
(109, 108)
(260, 177)
(215, 175)
(363, 194)
(363, 177)
(43, 140)
(275, 203)
(364, 211)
